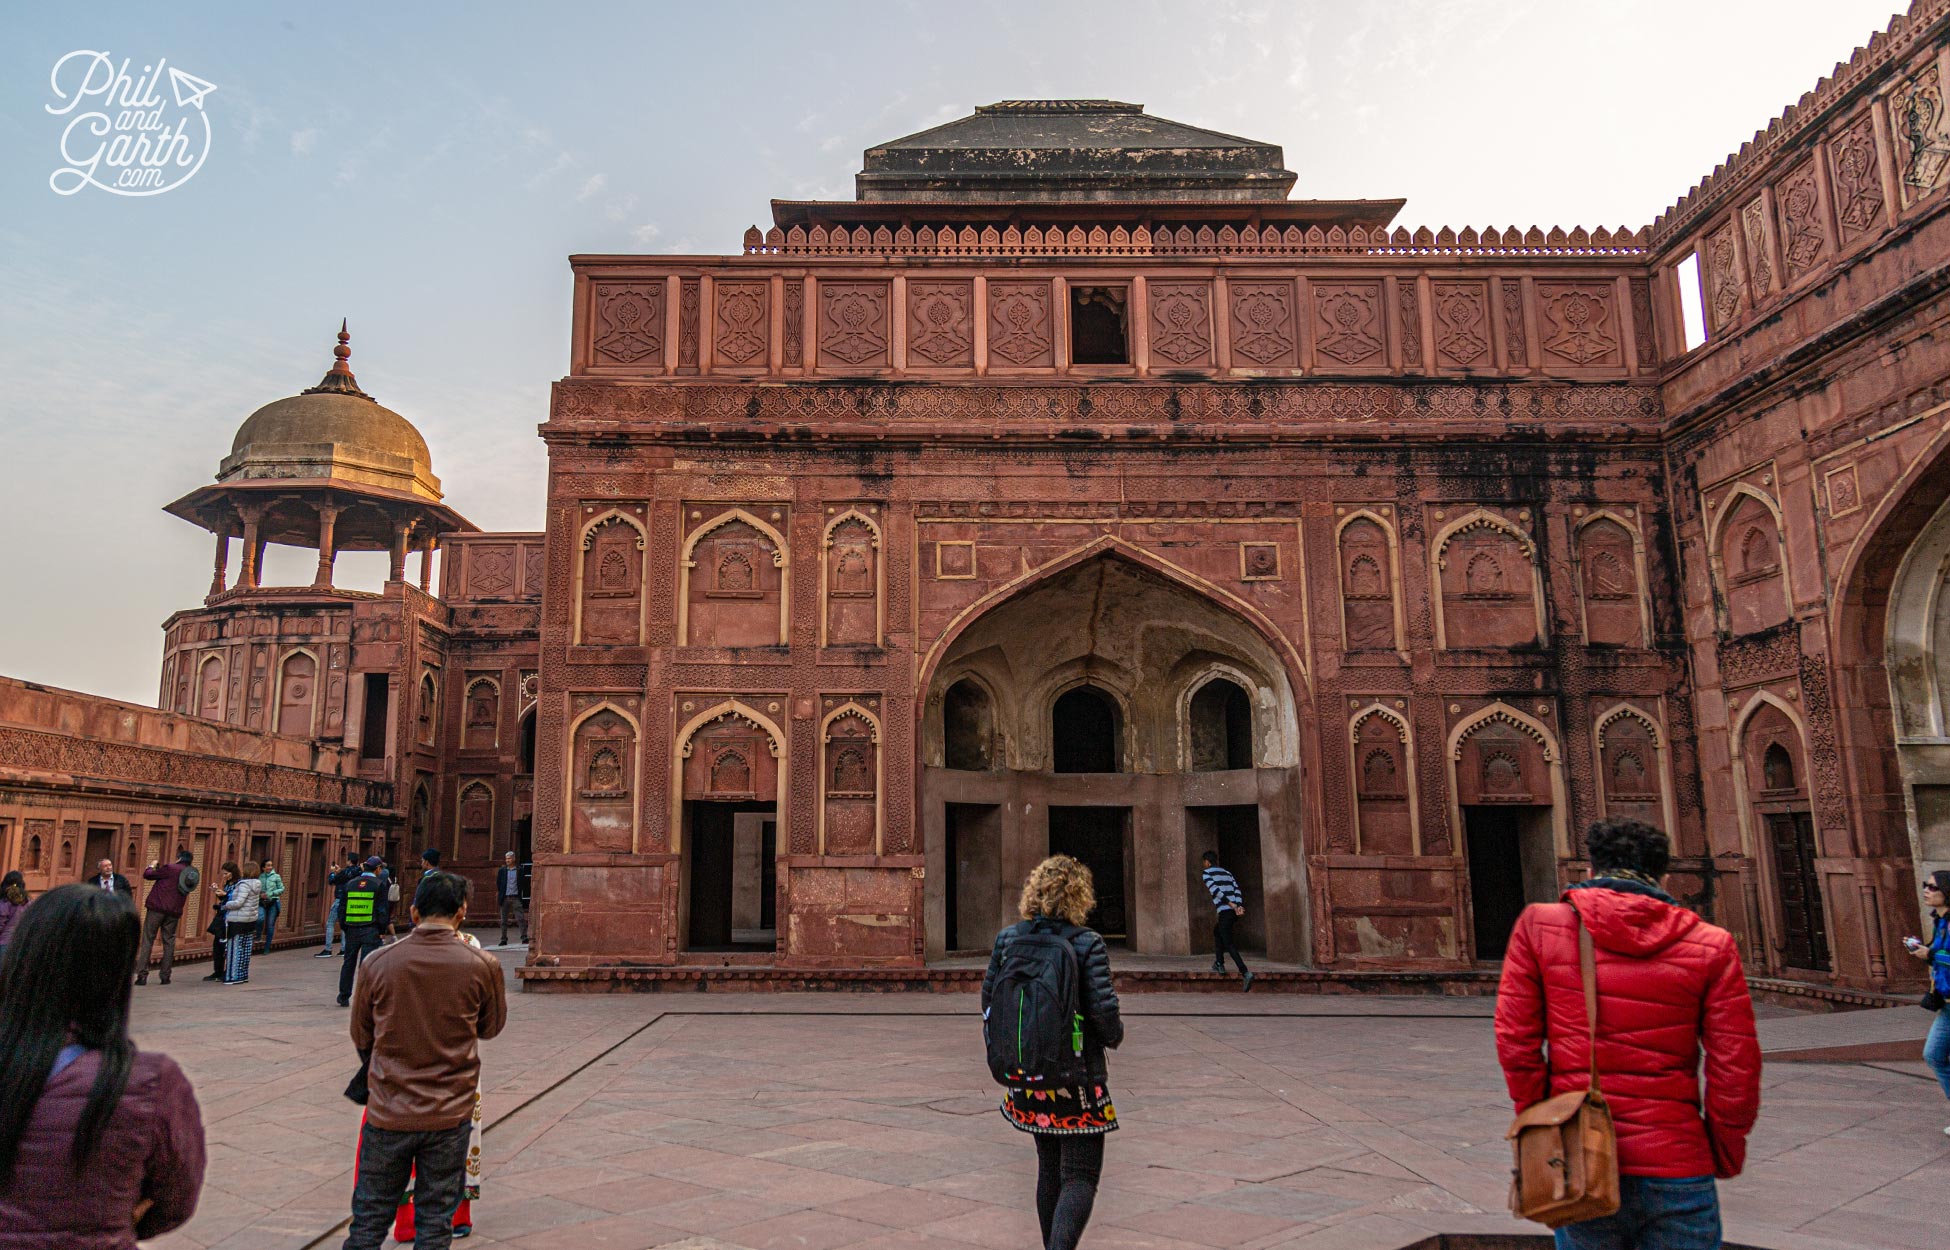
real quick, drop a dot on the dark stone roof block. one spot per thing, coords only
(1033, 150)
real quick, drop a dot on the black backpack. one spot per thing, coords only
(1033, 1029)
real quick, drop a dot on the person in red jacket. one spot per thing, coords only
(1670, 989)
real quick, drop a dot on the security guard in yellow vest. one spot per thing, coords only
(367, 912)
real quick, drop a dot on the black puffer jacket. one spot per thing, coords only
(1103, 1027)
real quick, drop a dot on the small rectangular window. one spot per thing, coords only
(1099, 333)
(1692, 303)
(372, 727)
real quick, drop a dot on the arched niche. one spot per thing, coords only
(1780, 828)
(1509, 814)
(1634, 770)
(1489, 590)
(525, 743)
(1751, 561)
(1611, 581)
(474, 822)
(728, 753)
(1219, 726)
(297, 693)
(968, 717)
(600, 788)
(426, 711)
(611, 565)
(1371, 610)
(481, 714)
(1381, 763)
(852, 582)
(209, 686)
(1086, 731)
(850, 781)
(732, 587)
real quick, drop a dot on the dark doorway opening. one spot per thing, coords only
(1097, 334)
(731, 851)
(314, 886)
(1222, 727)
(525, 746)
(1231, 833)
(1083, 732)
(372, 726)
(1099, 838)
(1512, 862)
(101, 846)
(967, 727)
(972, 895)
(1804, 923)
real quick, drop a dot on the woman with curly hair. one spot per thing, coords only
(1069, 1124)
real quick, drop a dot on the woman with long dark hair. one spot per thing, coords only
(1069, 1122)
(219, 926)
(99, 1143)
(1936, 1047)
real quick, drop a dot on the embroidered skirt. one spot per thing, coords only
(1061, 1112)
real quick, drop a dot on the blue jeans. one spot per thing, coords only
(1654, 1213)
(331, 926)
(1936, 1050)
(267, 923)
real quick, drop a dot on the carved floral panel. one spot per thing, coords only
(1263, 334)
(1181, 324)
(1347, 324)
(744, 326)
(629, 323)
(940, 324)
(853, 325)
(1580, 323)
(1020, 333)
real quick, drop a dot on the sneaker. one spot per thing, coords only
(345, 1002)
(324, 954)
(142, 980)
(1220, 968)
(1946, 1131)
(215, 976)
(1246, 982)
(463, 1230)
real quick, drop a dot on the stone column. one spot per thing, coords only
(253, 549)
(218, 574)
(328, 516)
(396, 572)
(427, 546)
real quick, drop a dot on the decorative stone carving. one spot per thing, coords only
(852, 582)
(853, 325)
(1019, 324)
(1855, 166)
(1750, 562)
(1804, 237)
(1263, 324)
(1367, 587)
(1487, 578)
(1921, 141)
(612, 582)
(481, 713)
(630, 323)
(744, 328)
(1753, 223)
(1347, 322)
(1722, 276)
(603, 772)
(687, 325)
(1609, 582)
(1462, 332)
(1181, 323)
(940, 324)
(1582, 325)
(1516, 348)
(795, 323)
(850, 782)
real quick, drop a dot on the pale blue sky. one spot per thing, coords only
(425, 170)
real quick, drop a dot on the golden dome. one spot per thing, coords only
(332, 432)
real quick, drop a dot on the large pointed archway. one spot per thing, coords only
(1112, 707)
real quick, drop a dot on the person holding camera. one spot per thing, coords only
(1936, 1047)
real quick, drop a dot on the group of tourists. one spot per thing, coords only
(1610, 1003)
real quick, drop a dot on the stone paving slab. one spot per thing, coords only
(864, 1122)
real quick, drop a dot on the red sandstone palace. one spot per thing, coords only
(1073, 488)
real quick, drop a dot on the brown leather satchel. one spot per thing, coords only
(1566, 1151)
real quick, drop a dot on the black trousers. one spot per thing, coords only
(360, 940)
(1067, 1170)
(434, 1161)
(1223, 943)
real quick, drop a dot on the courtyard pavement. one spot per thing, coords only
(822, 1121)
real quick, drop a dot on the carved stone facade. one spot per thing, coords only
(906, 547)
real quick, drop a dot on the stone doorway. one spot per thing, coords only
(1100, 839)
(1804, 924)
(1106, 709)
(1511, 864)
(1232, 833)
(730, 876)
(973, 897)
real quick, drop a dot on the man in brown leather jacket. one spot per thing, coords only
(419, 1010)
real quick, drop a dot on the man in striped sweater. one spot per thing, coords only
(1231, 905)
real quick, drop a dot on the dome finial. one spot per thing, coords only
(339, 380)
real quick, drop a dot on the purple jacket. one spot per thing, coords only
(152, 1148)
(9, 917)
(166, 896)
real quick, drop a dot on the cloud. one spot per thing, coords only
(303, 141)
(644, 233)
(594, 184)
